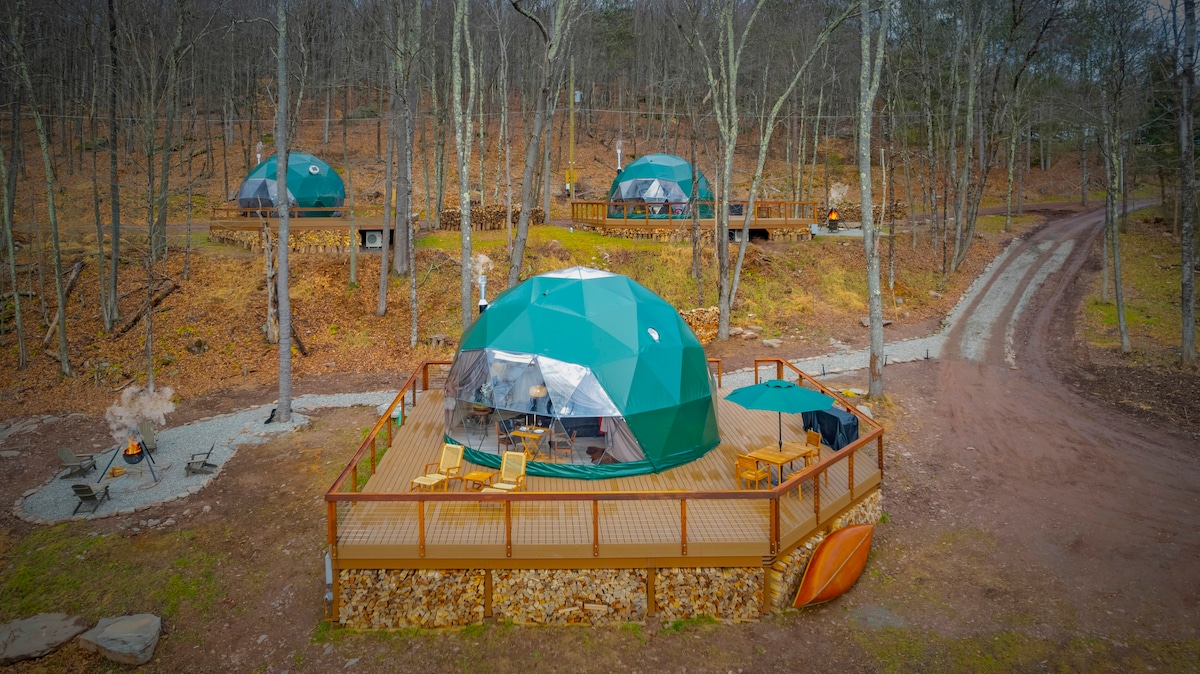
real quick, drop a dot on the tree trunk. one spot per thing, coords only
(1083, 168)
(18, 53)
(8, 188)
(114, 187)
(271, 328)
(1110, 203)
(554, 37)
(1187, 193)
(389, 209)
(463, 142)
(99, 229)
(284, 408)
(349, 189)
(868, 88)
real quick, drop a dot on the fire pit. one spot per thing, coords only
(134, 452)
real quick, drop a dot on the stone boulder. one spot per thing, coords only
(36, 636)
(129, 639)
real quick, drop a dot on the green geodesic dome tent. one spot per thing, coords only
(657, 180)
(311, 183)
(580, 344)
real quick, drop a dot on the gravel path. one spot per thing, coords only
(844, 360)
(136, 490)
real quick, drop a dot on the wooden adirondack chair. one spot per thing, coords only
(199, 462)
(146, 430)
(76, 464)
(89, 496)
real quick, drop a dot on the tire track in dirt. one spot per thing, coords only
(1103, 502)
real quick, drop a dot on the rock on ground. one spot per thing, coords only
(36, 636)
(129, 639)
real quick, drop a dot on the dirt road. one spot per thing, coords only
(1090, 515)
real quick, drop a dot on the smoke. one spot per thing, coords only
(480, 265)
(837, 193)
(135, 406)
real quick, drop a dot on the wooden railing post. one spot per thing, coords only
(683, 525)
(424, 381)
(850, 461)
(421, 528)
(354, 478)
(817, 499)
(508, 528)
(779, 369)
(331, 517)
(595, 528)
(774, 526)
(372, 454)
(879, 442)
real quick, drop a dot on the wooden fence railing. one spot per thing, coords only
(834, 480)
(679, 214)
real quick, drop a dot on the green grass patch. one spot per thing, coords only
(995, 223)
(908, 650)
(58, 569)
(1150, 277)
(685, 624)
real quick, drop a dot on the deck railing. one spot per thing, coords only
(271, 213)
(783, 515)
(679, 214)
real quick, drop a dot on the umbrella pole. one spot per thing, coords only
(781, 431)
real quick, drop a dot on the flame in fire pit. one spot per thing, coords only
(134, 452)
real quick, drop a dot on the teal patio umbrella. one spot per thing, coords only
(777, 395)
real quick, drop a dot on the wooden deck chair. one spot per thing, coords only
(813, 439)
(146, 430)
(747, 469)
(89, 496)
(447, 469)
(199, 462)
(562, 444)
(512, 473)
(76, 464)
(503, 439)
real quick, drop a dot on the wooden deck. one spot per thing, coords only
(580, 527)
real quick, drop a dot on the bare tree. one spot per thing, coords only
(1187, 181)
(7, 192)
(563, 14)
(16, 31)
(284, 406)
(721, 67)
(463, 133)
(868, 89)
(110, 310)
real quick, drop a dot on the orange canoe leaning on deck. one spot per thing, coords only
(836, 564)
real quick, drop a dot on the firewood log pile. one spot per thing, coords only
(853, 212)
(484, 218)
(703, 322)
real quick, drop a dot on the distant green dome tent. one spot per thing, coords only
(590, 352)
(311, 183)
(659, 185)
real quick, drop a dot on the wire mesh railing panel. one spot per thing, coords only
(377, 523)
(551, 523)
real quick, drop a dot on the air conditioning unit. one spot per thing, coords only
(373, 239)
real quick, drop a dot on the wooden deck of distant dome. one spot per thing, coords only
(691, 515)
